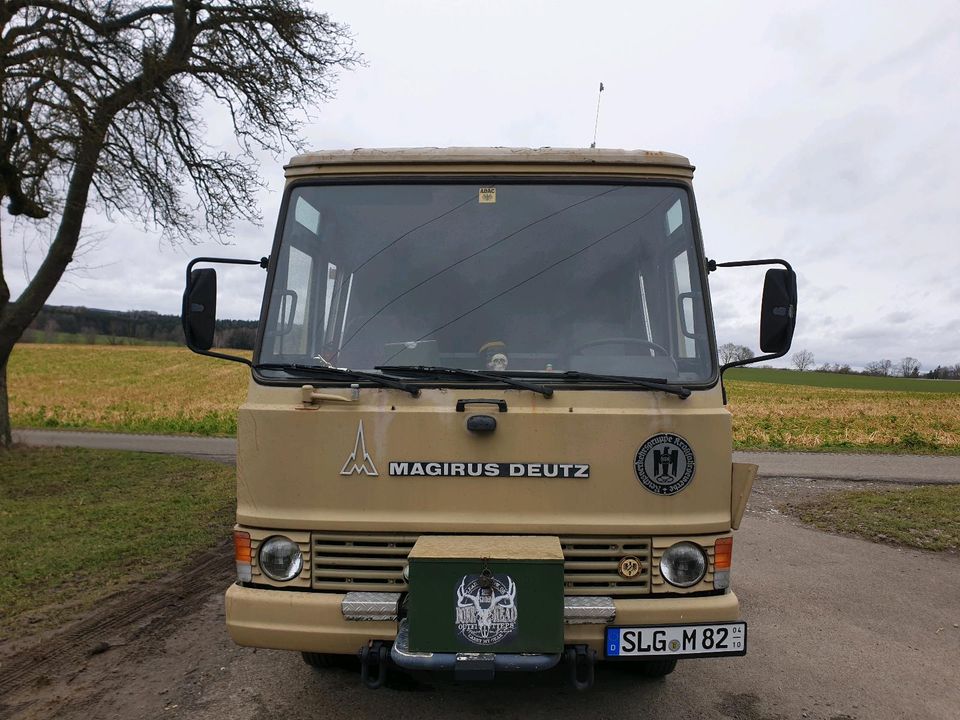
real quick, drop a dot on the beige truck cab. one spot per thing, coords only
(485, 428)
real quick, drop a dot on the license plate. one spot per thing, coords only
(677, 640)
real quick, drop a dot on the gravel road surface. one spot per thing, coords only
(839, 629)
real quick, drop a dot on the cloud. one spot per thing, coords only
(822, 135)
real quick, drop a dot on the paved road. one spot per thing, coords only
(220, 449)
(889, 468)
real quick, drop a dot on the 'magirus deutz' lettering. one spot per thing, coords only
(435, 468)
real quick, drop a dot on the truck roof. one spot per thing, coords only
(646, 160)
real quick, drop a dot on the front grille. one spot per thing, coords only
(372, 562)
(360, 562)
(590, 565)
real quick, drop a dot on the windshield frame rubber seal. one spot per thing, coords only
(435, 178)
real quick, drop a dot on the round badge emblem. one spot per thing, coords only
(665, 464)
(629, 567)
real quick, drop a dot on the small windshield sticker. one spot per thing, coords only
(665, 464)
(488, 195)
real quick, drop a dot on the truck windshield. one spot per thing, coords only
(512, 277)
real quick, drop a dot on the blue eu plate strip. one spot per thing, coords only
(613, 642)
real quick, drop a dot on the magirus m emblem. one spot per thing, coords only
(486, 608)
(359, 461)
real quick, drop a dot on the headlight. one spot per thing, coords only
(683, 564)
(280, 558)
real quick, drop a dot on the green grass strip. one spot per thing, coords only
(839, 380)
(77, 525)
(922, 517)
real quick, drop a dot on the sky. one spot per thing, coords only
(824, 133)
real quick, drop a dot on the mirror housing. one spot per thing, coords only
(200, 309)
(778, 311)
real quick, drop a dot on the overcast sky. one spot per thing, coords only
(826, 134)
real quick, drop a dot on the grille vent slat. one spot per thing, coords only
(343, 562)
(592, 562)
(360, 562)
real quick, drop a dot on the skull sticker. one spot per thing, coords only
(486, 609)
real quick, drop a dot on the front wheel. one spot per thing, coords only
(657, 668)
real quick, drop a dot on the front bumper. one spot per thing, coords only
(314, 622)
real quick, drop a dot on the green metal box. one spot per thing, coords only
(484, 593)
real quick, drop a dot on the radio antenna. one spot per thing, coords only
(597, 121)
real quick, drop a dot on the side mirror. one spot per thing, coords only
(200, 308)
(778, 311)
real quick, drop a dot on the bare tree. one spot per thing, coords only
(802, 360)
(878, 367)
(909, 367)
(731, 352)
(103, 104)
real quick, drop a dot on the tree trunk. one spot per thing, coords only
(16, 317)
(5, 436)
(6, 439)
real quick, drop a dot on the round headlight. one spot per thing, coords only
(683, 564)
(280, 558)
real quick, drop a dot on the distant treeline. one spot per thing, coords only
(56, 324)
(944, 372)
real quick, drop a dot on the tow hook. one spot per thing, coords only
(581, 661)
(373, 664)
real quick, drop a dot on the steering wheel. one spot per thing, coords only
(657, 349)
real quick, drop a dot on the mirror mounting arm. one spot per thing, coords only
(713, 264)
(788, 311)
(263, 262)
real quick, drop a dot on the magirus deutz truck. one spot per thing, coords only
(485, 429)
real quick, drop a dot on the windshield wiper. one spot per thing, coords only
(459, 372)
(647, 383)
(375, 378)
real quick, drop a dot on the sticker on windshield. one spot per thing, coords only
(665, 464)
(488, 195)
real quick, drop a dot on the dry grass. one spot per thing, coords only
(127, 389)
(798, 417)
(171, 390)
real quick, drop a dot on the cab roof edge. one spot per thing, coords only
(482, 155)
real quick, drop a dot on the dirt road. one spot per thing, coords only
(840, 628)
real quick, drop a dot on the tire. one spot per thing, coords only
(324, 661)
(657, 668)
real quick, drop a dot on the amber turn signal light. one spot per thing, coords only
(242, 554)
(722, 557)
(241, 546)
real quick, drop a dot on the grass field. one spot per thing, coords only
(836, 380)
(799, 417)
(142, 389)
(77, 525)
(63, 338)
(926, 517)
(171, 390)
